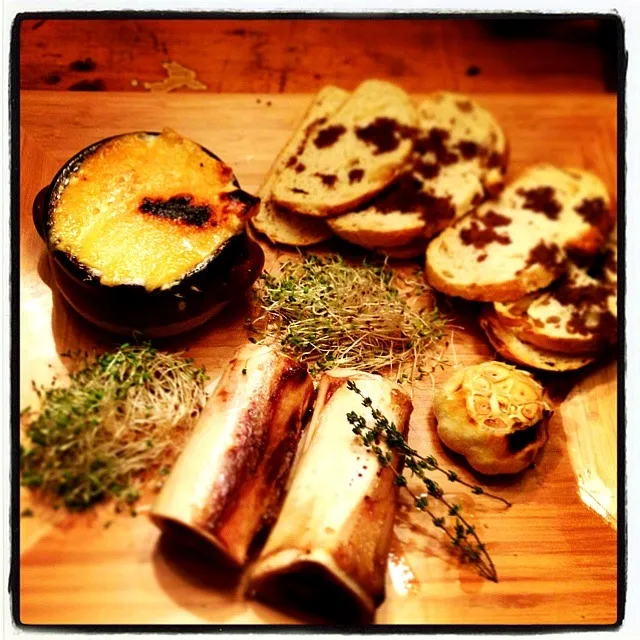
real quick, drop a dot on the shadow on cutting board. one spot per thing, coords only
(71, 332)
(212, 591)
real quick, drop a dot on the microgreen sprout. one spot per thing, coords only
(121, 419)
(330, 313)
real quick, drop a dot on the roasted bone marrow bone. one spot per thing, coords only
(228, 483)
(328, 550)
(495, 415)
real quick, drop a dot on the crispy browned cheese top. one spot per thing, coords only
(147, 209)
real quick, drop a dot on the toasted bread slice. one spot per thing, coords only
(278, 224)
(412, 250)
(517, 244)
(286, 227)
(459, 155)
(573, 316)
(356, 153)
(391, 220)
(473, 133)
(510, 347)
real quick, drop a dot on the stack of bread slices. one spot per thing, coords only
(543, 258)
(382, 173)
(379, 172)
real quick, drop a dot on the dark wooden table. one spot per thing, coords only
(300, 56)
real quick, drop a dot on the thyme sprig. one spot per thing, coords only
(461, 533)
(330, 313)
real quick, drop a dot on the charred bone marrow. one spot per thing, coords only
(229, 481)
(332, 537)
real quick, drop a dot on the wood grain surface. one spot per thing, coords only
(555, 548)
(288, 56)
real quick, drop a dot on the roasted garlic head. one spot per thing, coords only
(495, 415)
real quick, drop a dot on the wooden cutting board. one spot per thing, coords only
(555, 549)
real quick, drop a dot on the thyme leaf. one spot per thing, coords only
(461, 533)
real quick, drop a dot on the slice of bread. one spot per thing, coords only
(510, 347)
(573, 316)
(356, 153)
(459, 155)
(278, 224)
(412, 250)
(473, 133)
(517, 244)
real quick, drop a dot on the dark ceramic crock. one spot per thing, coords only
(131, 309)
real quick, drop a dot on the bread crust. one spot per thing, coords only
(367, 133)
(510, 347)
(518, 243)
(374, 230)
(278, 224)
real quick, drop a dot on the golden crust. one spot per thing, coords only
(121, 217)
(510, 347)
(372, 229)
(281, 225)
(495, 415)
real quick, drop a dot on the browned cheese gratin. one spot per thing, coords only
(148, 209)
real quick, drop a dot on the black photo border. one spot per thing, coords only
(14, 515)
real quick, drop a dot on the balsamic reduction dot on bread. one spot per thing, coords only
(548, 255)
(383, 134)
(468, 149)
(593, 210)
(541, 200)
(328, 179)
(427, 170)
(328, 136)
(481, 232)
